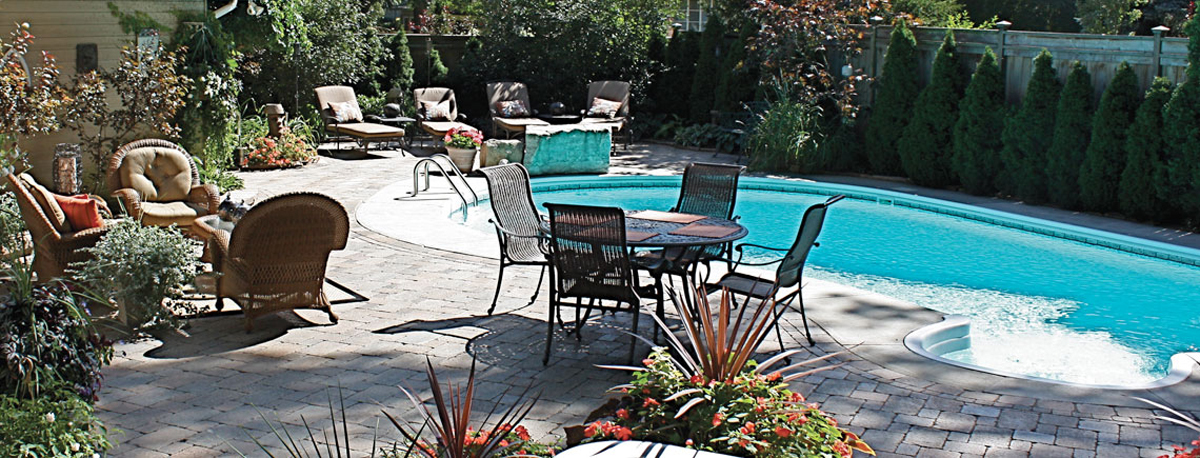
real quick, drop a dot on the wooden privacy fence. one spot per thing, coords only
(1101, 54)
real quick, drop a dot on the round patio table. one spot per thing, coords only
(672, 234)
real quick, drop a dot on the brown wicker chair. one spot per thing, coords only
(589, 259)
(276, 256)
(156, 182)
(505, 91)
(518, 225)
(53, 250)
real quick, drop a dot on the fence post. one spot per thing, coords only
(1002, 26)
(875, 21)
(1158, 42)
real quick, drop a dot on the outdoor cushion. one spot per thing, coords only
(437, 111)
(603, 108)
(439, 128)
(81, 211)
(49, 204)
(156, 174)
(512, 109)
(166, 213)
(346, 111)
(368, 130)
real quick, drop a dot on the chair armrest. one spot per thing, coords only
(742, 246)
(130, 202)
(82, 239)
(207, 195)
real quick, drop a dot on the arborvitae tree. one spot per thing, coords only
(739, 76)
(681, 61)
(704, 84)
(656, 53)
(1138, 196)
(980, 123)
(1181, 131)
(1100, 176)
(894, 104)
(928, 141)
(1072, 131)
(399, 69)
(430, 71)
(1027, 136)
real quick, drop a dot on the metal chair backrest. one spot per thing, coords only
(709, 189)
(589, 252)
(435, 95)
(288, 237)
(513, 209)
(792, 266)
(617, 91)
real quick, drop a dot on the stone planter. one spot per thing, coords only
(463, 158)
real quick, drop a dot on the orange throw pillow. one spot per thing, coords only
(82, 212)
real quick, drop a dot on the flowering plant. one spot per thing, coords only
(290, 150)
(461, 137)
(515, 441)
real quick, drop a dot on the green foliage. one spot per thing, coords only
(1181, 131)
(739, 75)
(928, 141)
(1145, 170)
(894, 103)
(682, 52)
(1100, 176)
(138, 267)
(1109, 16)
(787, 139)
(930, 13)
(977, 131)
(430, 71)
(1072, 131)
(27, 108)
(1042, 15)
(135, 22)
(398, 71)
(47, 339)
(708, 136)
(704, 84)
(58, 425)
(1028, 134)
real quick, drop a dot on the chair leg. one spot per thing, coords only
(538, 289)
(499, 281)
(633, 340)
(328, 308)
(549, 329)
(804, 316)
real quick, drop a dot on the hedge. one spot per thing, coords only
(1028, 134)
(1072, 131)
(977, 132)
(925, 148)
(894, 105)
(1144, 167)
(1100, 176)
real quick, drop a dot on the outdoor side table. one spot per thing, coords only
(402, 122)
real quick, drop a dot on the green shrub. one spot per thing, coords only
(1181, 136)
(1028, 134)
(739, 75)
(398, 71)
(708, 136)
(980, 123)
(1145, 171)
(894, 104)
(927, 144)
(47, 339)
(1072, 131)
(58, 424)
(682, 52)
(787, 139)
(1100, 176)
(430, 71)
(704, 84)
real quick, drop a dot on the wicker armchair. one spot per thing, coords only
(276, 256)
(53, 250)
(589, 259)
(157, 183)
(518, 224)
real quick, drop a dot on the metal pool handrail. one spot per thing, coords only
(422, 166)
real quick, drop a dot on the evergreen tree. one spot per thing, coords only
(399, 69)
(928, 141)
(980, 123)
(431, 71)
(1100, 176)
(894, 104)
(681, 62)
(1072, 130)
(1027, 136)
(1181, 131)
(656, 53)
(1144, 168)
(704, 84)
(739, 76)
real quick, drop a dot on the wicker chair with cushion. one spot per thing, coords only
(608, 103)
(342, 116)
(276, 256)
(157, 183)
(509, 107)
(437, 111)
(518, 224)
(55, 243)
(589, 259)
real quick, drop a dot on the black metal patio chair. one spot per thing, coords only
(517, 222)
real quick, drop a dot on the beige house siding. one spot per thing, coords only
(60, 25)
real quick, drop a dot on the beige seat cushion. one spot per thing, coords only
(367, 130)
(439, 128)
(519, 123)
(618, 122)
(157, 174)
(182, 214)
(50, 207)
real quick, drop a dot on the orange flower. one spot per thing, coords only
(782, 432)
(623, 414)
(592, 429)
(748, 429)
(842, 449)
(717, 419)
(623, 433)
(650, 402)
(522, 433)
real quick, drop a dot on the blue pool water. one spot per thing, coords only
(1039, 305)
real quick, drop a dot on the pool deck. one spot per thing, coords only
(200, 395)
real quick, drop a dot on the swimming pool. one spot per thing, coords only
(1040, 305)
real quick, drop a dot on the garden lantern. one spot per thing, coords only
(67, 170)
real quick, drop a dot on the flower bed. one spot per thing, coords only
(289, 150)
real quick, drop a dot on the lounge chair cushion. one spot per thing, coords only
(512, 109)
(519, 124)
(603, 108)
(182, 214)
(618, 122)
(367, 130)
(49, 204)
(346, 111)
(439, 128)
(437, 111)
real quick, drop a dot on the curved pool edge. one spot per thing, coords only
(953, 333)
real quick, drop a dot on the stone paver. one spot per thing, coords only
(202, 395)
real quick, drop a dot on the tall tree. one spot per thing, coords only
(980, 122)
(681, 62)
(1028, 134)
(928, 141)
(1100, 176)
(1109, 16)
(1072, 131)
(398, 71)
(898, 88)
(704, 84)
(1181, 131)
(739, 75)
(1144, 168)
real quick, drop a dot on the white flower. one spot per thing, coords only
(74, 446)
(50, 417)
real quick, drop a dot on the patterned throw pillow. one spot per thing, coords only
(512, 109)
(346, 111)
(603, 108)
(435, 111)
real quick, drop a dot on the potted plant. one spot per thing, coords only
(289, 150)
(462, 144)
